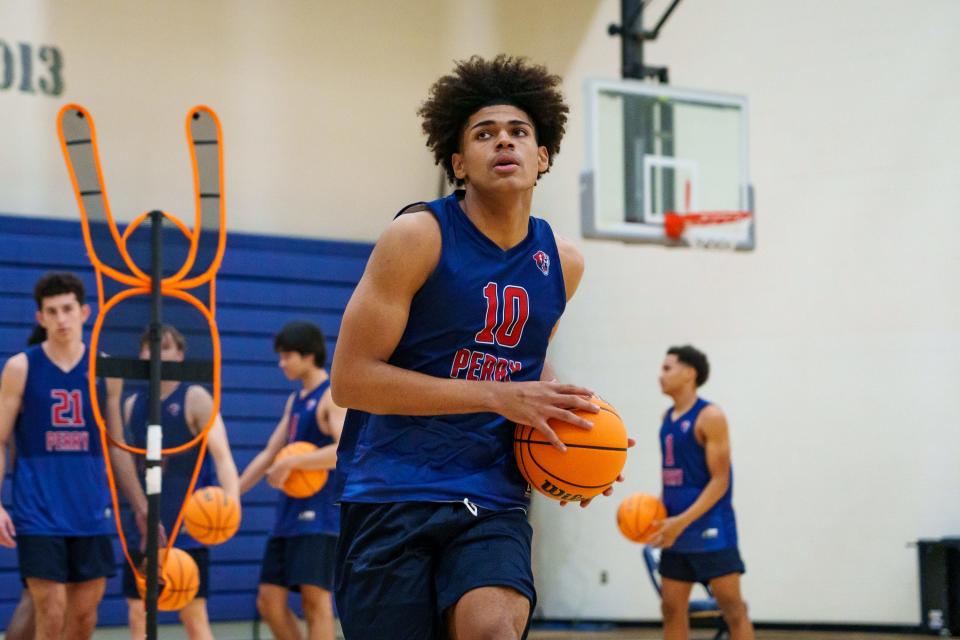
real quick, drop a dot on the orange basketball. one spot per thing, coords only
(591, 464)
(301, 483)
(211, 516)
(636, 516)
(179, 580)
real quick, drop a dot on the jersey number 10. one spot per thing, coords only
(516, 312)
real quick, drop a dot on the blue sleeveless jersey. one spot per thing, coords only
(60, 482)
(316, 513)
(177, 469)
(685, 474)
(483, 314)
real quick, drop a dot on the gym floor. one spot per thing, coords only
(244, 631)
(706, 634)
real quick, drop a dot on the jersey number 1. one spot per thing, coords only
(668, 450)
(516, 311)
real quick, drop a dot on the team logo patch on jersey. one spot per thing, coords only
(174, 409)
(543, 262)
(685, 426)
(311, 403)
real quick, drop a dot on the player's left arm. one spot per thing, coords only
(330, 419)
(712, 425)
(199, 409)
(572, 265)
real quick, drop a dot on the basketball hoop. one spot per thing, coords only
(707, 229)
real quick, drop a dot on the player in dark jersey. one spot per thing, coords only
(62, 516)
(186, 410)
(440, 353)
(300, 552)
(699, 536)
(21, 626)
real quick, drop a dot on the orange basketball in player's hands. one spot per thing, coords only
(591, 464)
(637, 514)
(179, 580)
(301, 483)
(211, 516)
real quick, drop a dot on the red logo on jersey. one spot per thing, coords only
(673, 477)
(174, 409)
(685, 426)
(543, 262)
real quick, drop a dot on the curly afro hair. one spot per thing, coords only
(477, 83)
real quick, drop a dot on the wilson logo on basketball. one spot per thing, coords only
(552, 490)
(543, 262)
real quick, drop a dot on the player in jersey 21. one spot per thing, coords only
(300, 551)
(185, 411)
(62, 516)
(699, 536)
(440, 354)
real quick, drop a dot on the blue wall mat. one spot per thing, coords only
(264, 282)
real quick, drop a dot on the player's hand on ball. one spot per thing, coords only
(670, 530)
(278, 473)
(534, 403)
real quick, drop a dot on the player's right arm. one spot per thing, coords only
(124, 467)
(13, 380)
(259, 465)
(374, 321)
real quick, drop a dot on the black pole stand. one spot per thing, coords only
(633, 36)
(154, 430)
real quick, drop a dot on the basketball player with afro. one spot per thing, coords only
(440, 354)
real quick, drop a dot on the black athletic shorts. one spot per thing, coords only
(401, 565)
(65, 558)
(700, 567)
(292, 561)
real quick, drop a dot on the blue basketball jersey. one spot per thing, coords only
(685, 474)
(60, 482)
(316, 513)
(483, 314)
(177, 468)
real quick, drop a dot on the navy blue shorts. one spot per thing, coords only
(65, 558)
(402, 565)
(700, 567)
(200, 555)
(291, 562)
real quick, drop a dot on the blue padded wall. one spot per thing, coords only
(264, 282)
